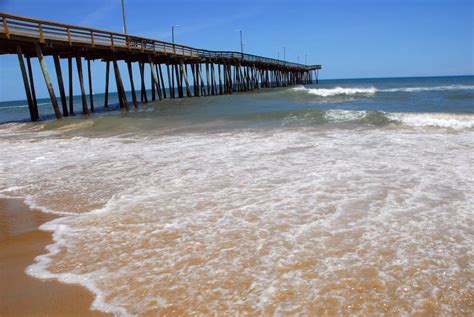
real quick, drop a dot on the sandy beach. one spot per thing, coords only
(20, 294)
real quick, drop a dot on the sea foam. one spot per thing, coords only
(337, 91)
(267, 221)
(348, 91)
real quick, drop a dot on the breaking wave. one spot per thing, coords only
(441, 120)
(337, 117)
(337, 91)
(343, 91)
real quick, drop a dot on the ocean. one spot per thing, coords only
(347, 197)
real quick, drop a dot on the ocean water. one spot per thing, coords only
(347, 197)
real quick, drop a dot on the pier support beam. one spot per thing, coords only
(33, 112)
(180, 86)
(154, 77)
(59, 75)
(163, 88)
(170, 82)
(144, 97)
(32, 86)
(207, 80)
(213, 80)
(185, 76)
(120, 89)
(71, 93)
(132, 85)
(85, 109)
(220, 78)
(158, 82)
(201, 80)
(47, 79)
(153, 91)
(91, 95)
(107, 76)
(195, 82)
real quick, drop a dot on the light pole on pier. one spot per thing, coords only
(305, 59)
(123, 15)
(241, 42)
(284, 53)
(172, 31)
(172, 36)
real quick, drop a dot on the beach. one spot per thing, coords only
(23, 295)
(350, 197)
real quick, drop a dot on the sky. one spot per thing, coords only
(350, 38)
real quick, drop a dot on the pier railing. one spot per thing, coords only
(77, 35)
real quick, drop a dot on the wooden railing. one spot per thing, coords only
(46, 30)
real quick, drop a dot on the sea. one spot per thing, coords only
(346, 197)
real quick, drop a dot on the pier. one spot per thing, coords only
(184, 70)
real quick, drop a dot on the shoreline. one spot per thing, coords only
(20, 294)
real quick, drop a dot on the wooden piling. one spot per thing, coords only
(185, 77)
(163, 88)
(91, 94)
(71, 93)
(180, 86)
(201, 80)
(120, 89)
(62, 93)
(207, 80)
(170, 83)
(153, 91)
(220, 78)
(158, 83)
(213, 80)
(32, 87)
(119, 92)
(31, 105)
(197, 91)
(85, 109)
(154, 77)
(107, 76)
(144, 97)
(132, 85)
(47, 79)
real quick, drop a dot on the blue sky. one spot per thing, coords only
(351, 39)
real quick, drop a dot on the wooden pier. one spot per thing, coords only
(188, 71)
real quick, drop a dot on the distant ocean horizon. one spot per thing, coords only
(347, 197)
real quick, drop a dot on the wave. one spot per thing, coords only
(380, 118)
(441, 120)
(12, 107)
(429, 88)
(345, 91)
(337, 91)
(315, 117)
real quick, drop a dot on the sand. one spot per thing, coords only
(20, 294)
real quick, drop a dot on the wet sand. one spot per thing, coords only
(20, 294)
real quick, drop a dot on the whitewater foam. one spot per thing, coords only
(430, 88)
(442, 120)
(337, 91)
(264, 221)
(349, 91)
